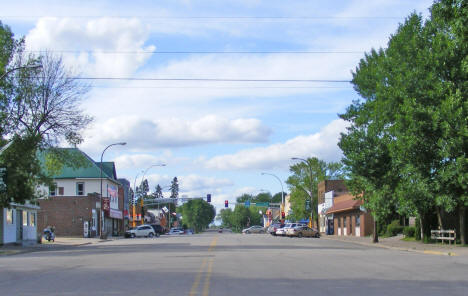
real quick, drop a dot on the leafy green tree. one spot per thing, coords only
(226, 217)
(406, 148)
(303, 184)
(39, 108)
(197, 214)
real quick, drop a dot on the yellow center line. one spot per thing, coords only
(193, 291)
(206, 285)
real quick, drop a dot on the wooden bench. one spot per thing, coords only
(444, 235)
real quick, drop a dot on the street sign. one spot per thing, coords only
(262, 204)
(247, 203)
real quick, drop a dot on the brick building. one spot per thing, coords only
(73, 205)
(349, 218)
(327, 191)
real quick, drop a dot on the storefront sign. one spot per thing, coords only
(116, 214)
(112, 193)
(105, 205)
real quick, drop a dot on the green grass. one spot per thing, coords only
(409, 239)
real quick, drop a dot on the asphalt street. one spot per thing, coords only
(231, 264)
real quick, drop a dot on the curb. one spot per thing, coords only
(379, 245)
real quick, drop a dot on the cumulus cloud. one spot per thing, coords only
(147, 134)
(91, 42)
(322, 145)
(138, 160)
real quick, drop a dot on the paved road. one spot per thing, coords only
(231, 264)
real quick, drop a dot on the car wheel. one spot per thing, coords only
(261, 231)
(150, 234)
(247, 232)
(299, 234)
(157, 234)
(317, 235)
(132, 235)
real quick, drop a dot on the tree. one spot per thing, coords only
(158, 192)
(39, 108)
(406, 148)
(303, 184)
(197, 214)
(174, 188)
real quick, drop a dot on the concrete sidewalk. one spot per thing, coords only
(60, 242)
(397, 243)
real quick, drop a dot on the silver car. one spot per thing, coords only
(283, 231)
(254, 229)
(139, 231)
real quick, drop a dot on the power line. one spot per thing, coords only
(230, 18)
(201, 52)
(222, 87)
(211, 79)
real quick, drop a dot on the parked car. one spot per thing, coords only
(282, 231)
(176, 231)
(274, 227)
(301, 231)
(254, 229)
(140, 231)
(189, 231)
(158, 229)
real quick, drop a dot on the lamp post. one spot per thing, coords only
(282, 191)
(310, 190)
(101, 226)
(143, 179)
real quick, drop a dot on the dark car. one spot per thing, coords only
(158, 229)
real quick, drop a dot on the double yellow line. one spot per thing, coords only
(206, 283)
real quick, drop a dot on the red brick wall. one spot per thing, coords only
(66, 213)
(330, 185)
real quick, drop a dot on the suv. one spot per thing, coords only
(142, 230)
(158, 229)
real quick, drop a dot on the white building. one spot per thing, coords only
(18, 224)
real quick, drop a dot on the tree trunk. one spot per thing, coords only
(375, 234)
(421, 226)
(439, 218)
(461, 214)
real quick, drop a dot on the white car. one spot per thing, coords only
(140, 231)
(283, 231)
(176, 231)
(254, 229)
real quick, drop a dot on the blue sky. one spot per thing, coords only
(215, 136)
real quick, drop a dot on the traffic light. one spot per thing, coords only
(208, 197)
(226, 203)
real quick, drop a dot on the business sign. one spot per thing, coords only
(113, 194)
(116, 214)
(106, 204)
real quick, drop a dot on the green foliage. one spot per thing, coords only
(197, 214)
(174, 188)
(39, 108)
(303, 184)
(405, 150)
(417, 230)
(394, 228)
(241, 217)
(409, 231)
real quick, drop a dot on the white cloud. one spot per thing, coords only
(322, 145)
(138, 160)
(148, 134)
(90, 37)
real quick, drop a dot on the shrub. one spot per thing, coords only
(409, 231)
(394, 228)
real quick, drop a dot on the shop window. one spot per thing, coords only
(53, 190)
(358, 220)
(339, 222)
(25, 218)
(9, 216)
(80, 188)
(344, 221)
(32, 219)
(60, 190)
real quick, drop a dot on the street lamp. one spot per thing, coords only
(282, 190)
(310, 193)
(143, 179)
(100, 197)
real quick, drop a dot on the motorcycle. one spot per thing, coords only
(49, 234)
